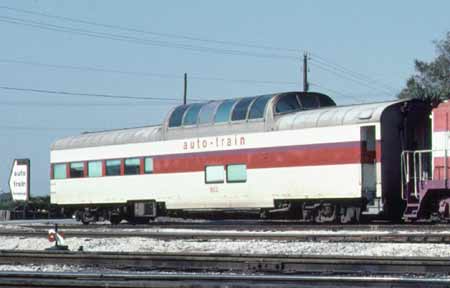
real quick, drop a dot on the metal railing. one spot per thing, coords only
(417, 166)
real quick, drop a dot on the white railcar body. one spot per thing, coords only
(327, 153)
(187, 189)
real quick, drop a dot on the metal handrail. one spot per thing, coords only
(405, 170)
(417, 166)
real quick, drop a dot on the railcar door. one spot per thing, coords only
(368, 163)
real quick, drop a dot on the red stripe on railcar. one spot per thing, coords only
(439, 168)
(304, 155)
(85, 169)
(103, 167)
(122, 167)
(378, 151)
(141, 165)
(368, 156)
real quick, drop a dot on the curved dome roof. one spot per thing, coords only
(246, 108)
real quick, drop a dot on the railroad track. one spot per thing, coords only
(249, 225)
(237, 263)
(378, 237)
(129, 280)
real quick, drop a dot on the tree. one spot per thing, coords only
(432, 80)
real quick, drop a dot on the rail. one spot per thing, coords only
(160, 280)
(236, 263)
(418, 234)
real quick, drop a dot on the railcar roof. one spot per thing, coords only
(110, 137)
(328, 116)
(334, 116)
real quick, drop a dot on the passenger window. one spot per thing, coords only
(177, 116)
(132, 166)
(148, 165)
(190, 117)
(206, 113)
(214, 174)
(223, 112)
(112, 167)
(258, 107)
(240, 110)
(76, 170)
(287, 103)
(236, 173)
(59, 171)
(309, 101)
(325, 101)
(95, 168)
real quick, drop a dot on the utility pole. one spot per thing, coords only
(185, 89)
(305, 72)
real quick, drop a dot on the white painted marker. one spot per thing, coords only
(19, 180)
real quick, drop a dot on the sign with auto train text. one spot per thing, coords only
(19, 180)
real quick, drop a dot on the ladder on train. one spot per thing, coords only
(421, 172)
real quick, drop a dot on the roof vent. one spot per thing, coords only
(366, 114)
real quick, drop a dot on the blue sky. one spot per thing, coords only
(361, 51)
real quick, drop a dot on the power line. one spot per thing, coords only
(143, 74)
(321, 62)
(350, 78)
(345, 95)
(370, 83)
(136, 30)
(80, 104)
(36, 128)
(84, 94)
(126, 38)
(248, 81)
(353, 73)
(350, 71)
(90, 68)
(137, 40)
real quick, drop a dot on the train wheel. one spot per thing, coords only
(263, 214)
(115, 219)
(350, 215)
(85, 219)
(326, 213)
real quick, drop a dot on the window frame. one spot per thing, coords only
(217, 181)
(83, 165)
(184, 107)
(65, 169)
(186, 112)
(102, 173)
(125, 166)
(248, 105)
(212, 115)
(280, 97)
(120, 167)
(233, 102)
(263, 116)
(145, 166)
(326, 100)
(236, 181)
(303, 107)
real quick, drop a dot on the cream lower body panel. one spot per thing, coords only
(189, 191)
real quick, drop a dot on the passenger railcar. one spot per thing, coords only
(292, 154)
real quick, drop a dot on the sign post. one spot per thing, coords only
(19, 180)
